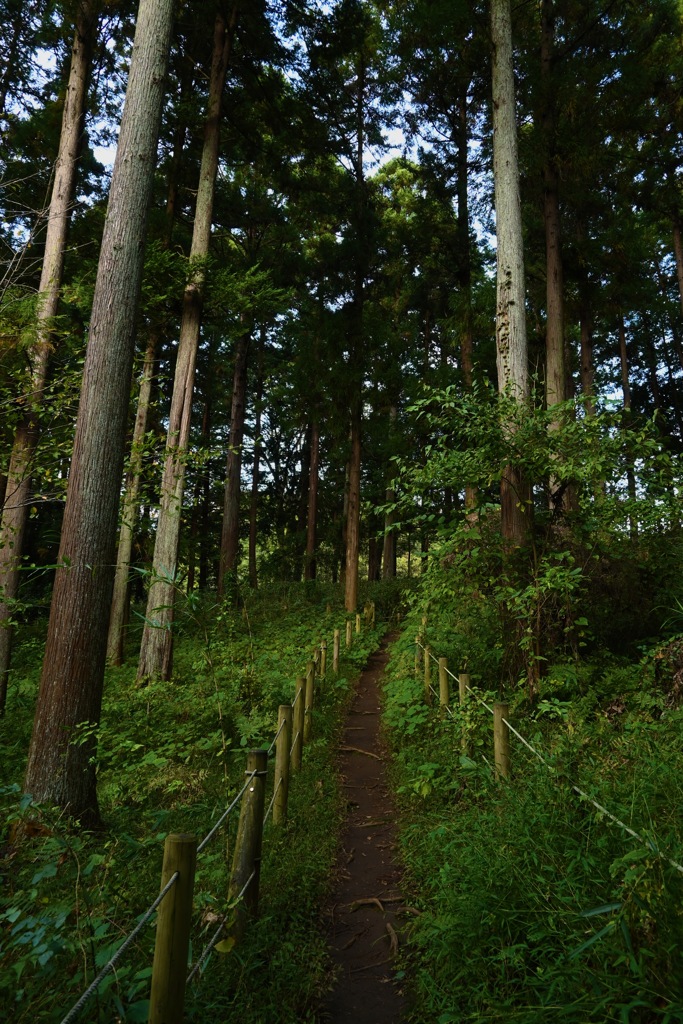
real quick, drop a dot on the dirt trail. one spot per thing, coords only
(363, 925)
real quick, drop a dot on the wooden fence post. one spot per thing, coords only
(463, 683)
(428, 673)
(308, 705)
(358, 622)
(247, 858)
(501, 740)
(283, 745)
(335, 651)
(173, 931)
(349, 628)
(373, 615)
(444, 689)
(298, 723)
(323, 658)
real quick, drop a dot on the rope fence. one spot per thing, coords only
(502, 757)
(169, 978)
(75, 1010)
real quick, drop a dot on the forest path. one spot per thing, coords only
(363, 926)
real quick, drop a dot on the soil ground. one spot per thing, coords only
(363, 925)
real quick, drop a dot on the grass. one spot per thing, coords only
(533, 907)
(170, 757)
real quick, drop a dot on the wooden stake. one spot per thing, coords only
(323, 659)
(247, 858)
(417, 656)
(283, 746)
(335, 651)
(310, 698)
(358, 621)
(298, 724)
(444, 689)
(501, 740)
(349, 630)
(428, 673)
(173, 931)
(463, 683)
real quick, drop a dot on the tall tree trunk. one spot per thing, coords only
(198, 525)
(353, 519)
(119, 604)
(356, 349)
(61, 766)
(465, 265)
(511, 339)
(310, 564)
(233, 475)
(626, 390)
(555, 364)
(156, 650)
(556, 382)
(587, 372)
(256, 470)
(120, 610)
(389, 547)
(17, 494)
(344, 523)
(374, 560)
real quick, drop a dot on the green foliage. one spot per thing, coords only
(532, 906)
(170, 756)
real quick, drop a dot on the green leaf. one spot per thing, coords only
(593, 939)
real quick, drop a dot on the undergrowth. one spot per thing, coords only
(170, 757)
(533, 906)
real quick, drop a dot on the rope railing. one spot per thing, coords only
(226, 813)
(574, 788)
(271, 748)
(277, 809)
(216, 935)
(276, 789)
(75, 1010)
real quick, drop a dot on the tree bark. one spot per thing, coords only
(374, 560)
(156, 650)
(198, 524)
(119, 604)
(255, 474)
(353, 518)
(61, 767)
(555, 378)
(233, 475)
(310, 564)
(465, 266)
(120, 610)
(389, 546)
(626, 390)
(511, 338)
(18, 489)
